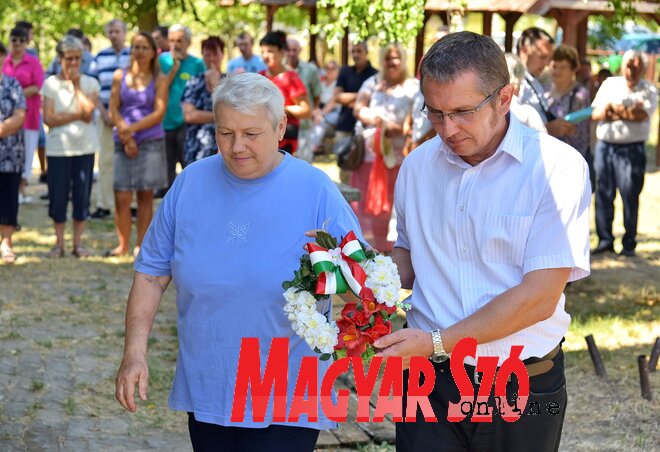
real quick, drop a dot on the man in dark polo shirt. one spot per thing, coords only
(349, 82)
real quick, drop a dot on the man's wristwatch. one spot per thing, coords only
(439, 354)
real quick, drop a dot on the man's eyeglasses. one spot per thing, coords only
(18, 40)
(461, 117)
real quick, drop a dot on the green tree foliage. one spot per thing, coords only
(51, 20)
(388, 20)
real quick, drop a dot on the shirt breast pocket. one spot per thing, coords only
(503, 238)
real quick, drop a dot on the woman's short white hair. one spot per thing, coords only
(187, 34)
(247, 93)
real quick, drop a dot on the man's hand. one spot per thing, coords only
(133, 371)
(406, 343)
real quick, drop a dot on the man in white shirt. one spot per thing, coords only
(492, 222)
(623, 108)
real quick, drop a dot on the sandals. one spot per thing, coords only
(56, 252)
(8, 256)
(81, 251)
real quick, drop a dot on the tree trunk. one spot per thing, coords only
(147, 15)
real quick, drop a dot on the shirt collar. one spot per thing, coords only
(512, 144)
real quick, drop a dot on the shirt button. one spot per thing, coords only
(462, 208)
(465, 250)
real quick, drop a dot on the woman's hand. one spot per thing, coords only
(131, 148)
(132, 371)
(212, 79)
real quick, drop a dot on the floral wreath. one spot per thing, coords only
(328, 269)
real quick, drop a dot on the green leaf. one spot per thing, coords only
(339, 354)
(325, 356)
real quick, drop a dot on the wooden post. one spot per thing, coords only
(419, 40)
(344, 48)
(582, 37)
(644, 381)
(312, 37)
(270, 17)
(510, 19)
(568, 20)
(487, 26)
(595, 357)
(655, 354)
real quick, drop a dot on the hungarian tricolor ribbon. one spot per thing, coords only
(339, 269)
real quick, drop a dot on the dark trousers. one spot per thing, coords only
(538, 428)
(274, 438)
(69, 177)
(618, 166)
(174, 140)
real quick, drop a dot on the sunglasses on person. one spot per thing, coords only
(18, 40)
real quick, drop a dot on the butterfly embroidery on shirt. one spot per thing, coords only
(238, 232)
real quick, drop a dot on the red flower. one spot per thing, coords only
(357, 316)
(384, 307)
(370, 306)
(380, 328)
(354, 341)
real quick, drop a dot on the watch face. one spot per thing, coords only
(439, 358)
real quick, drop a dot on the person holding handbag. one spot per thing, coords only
(384, 107)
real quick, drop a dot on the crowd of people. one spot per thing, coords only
(152, 111)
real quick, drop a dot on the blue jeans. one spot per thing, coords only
(618, 166)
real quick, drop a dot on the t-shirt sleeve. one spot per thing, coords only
(92, 86)
(296, 86)
(559, 232)
(201, 67)
(231, 66)
(190, 92)
(38, 73)
(368, 86)
(158, 245)
(47, 88)
(165, 63)
(650, 99)
(315, 86)
(601, 95)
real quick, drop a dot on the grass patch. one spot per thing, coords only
(69, 406)
(11, 336)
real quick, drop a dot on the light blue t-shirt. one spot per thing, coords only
(254, 64)
(190, 67)
(228, 244)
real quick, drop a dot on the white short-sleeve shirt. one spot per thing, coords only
(615, 90)
(473, 232)
(77, 137)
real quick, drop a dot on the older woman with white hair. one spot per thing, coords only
(229, 231)
(69, 103)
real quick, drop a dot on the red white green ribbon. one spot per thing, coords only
(339, 269)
